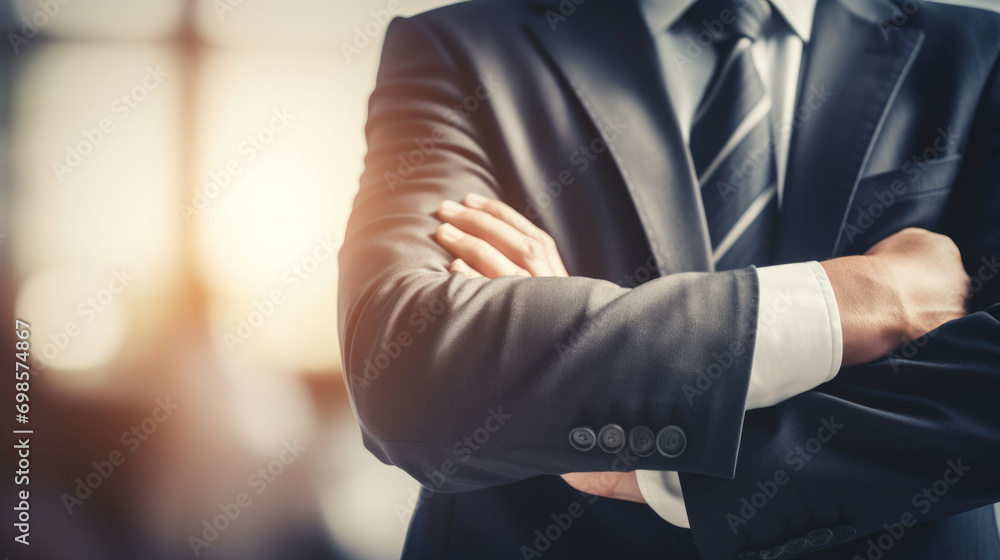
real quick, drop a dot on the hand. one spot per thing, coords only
(609, 484)
(908, 284)
(492, 239)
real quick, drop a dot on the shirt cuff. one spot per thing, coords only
(662, 492)
(799, 341)
(799, 346)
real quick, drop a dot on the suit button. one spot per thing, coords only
(844, 533)
(582, 438)
(612, 438)
(642, 441)
(772, 553)
(796, 545)
(820, 537)
(671, 441)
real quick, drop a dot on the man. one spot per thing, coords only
(667, 148)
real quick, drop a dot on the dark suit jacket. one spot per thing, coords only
(473, 386)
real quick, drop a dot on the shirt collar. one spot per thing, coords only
(663, 14)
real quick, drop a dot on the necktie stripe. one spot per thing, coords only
(730, 141)
(748, 218)
(754, 118)
(741, 46)
(747, 249)
(736, 183)
(741, 93)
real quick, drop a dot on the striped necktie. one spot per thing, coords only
(732, 141)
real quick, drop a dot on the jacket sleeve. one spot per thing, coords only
(859, 453)
(467, 383)
(925, 419)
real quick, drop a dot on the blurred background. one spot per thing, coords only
(175, 181)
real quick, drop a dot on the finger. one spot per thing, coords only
(628, 488)
(458, 265)
(478, 254)
(504, 212)
(595, 483)
(520, 249)
(607, 484)
(584, 482)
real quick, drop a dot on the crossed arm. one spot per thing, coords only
(428, 352)
(907, 285)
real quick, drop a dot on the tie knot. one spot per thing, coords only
(723, 20)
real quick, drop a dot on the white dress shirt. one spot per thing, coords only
(799, 343)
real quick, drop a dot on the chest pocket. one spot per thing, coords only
(914, 195)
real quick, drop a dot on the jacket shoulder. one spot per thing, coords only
(955, 18)
(477, 16)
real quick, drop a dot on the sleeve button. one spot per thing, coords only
(772, 553)
(671, 442)
(796, 545)
(582, 438)
(612, 438)
(844, 533)
(820, 537)
(642, 440)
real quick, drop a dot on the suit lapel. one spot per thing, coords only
(863, 64)
(610, 61)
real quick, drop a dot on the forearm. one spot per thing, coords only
(804, 330)
(872, 317)
(555, 353)
(906, 285)
(427, 354)
(898, 422)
